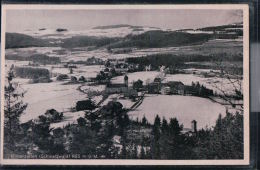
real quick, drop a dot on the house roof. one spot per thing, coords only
(175, 83)
(116, 85)
(157, 79)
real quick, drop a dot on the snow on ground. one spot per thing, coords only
(8, 64)
(201, 70)
(43, 96)
(50, 51)
(81, 70)
(214, 83)
(109, 32)
(184, 108)
(126, 102)
(142, 75)
(99, 88)
(97, 99)
(112, 97)
(69, 118)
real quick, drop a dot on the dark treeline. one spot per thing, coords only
(156, 39)
(169, 60)
(222, 27)
(84, 41)
(16, 40)
(93, 138)
(37, 58)
(30, 72)
(44, 59)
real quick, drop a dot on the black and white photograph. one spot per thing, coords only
(125, 84)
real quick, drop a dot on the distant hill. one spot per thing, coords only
(116, 26)
(16, 40)
(222, 27)
(83, 41)
(138, 36)
(157, 39)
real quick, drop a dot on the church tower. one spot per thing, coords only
(194, 126)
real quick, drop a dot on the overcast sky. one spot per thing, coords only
(20, 20)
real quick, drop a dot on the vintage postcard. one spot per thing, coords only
(125, 85)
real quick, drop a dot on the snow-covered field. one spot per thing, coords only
(108, 32)
(127, 103)
(81, 70)
(43, 96)
(98, 88)
(184, 108)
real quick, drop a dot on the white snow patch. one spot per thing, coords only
(184, 108)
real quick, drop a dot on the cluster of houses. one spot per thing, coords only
(121, 66)
(176, 87)
(159, 87)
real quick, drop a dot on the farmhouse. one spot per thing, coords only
(157, 80)
(190, 90)
(176, 87)
(166, 90)
(116, 88)
(172, 87)
(154, 88)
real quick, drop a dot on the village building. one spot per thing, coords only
(191, 131)
(116, 88)
(171, 87)
(154, 88)
(157, 80)
(176, 87)
(166, 90)
(121, 88)
(94, 61)
(73, 79)
(114, 62)
(121, 68)
(190, 90)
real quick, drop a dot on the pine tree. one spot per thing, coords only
(175, 140)
(144, 121)
(142, 154)
(156, 137)
(164, 139)
(13, 109)
(165, 127)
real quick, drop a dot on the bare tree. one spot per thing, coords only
(231, 75)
